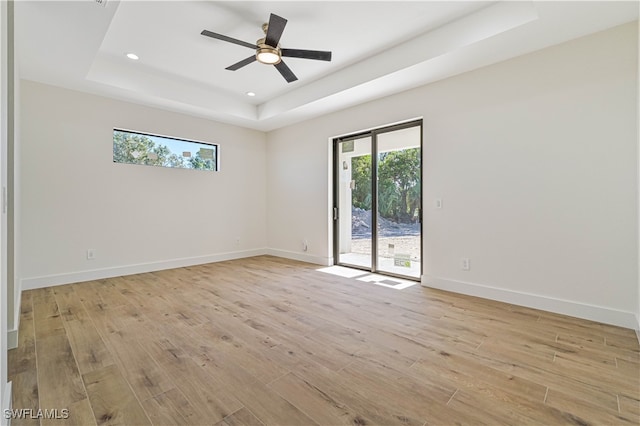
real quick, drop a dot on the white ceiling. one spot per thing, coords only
(379, 48)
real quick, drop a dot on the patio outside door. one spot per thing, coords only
(378, 202)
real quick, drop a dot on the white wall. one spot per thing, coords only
(535, 159)
(14, 211)
(299, 187)
(13, 197)
(137, 218)
(5, 35)
(638, 157)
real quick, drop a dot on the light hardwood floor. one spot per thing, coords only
(272, 341)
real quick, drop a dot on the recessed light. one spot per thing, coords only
(132, 56)
(251, 94)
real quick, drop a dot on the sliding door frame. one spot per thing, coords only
(373, 134)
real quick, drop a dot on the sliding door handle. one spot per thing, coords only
(335, 213)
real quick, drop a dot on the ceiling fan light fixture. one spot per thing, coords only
(268, 51)
(268, 55)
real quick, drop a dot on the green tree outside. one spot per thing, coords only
(399, 181)
(361, 174)
(199, 163)
(139, 149)
(399, 188)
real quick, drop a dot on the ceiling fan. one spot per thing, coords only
(268, 51)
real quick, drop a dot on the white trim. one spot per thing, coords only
(96, 274)
(566, 307)
(303, 257)
(12, 338)
(6, 404)
(12, 335)
(638, 327)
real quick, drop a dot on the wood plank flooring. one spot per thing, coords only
(269, 341)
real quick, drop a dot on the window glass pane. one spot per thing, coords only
(153, 150)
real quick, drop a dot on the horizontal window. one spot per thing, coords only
(153, 150)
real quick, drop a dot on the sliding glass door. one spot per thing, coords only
(377, 200)
(352, 214)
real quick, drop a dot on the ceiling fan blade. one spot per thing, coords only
(229, 39)
(307, 54)
(275, 29)
(242, 63)
(286, 72)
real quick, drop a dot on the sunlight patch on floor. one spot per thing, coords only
(381, 280)
(390, 282)
(341, 271)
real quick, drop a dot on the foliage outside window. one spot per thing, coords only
(152, 150)
(398, 184)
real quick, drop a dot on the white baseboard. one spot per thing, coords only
(303, 257)
(6, 403)
(638, 327)
(565, 307)
(12, 334)
(97, 274)
(12, 338)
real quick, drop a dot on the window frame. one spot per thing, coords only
(215, 146)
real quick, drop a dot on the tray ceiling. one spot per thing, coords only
(378, 48)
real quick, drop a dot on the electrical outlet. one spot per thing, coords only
(237, 241)
(438, 203)
(91, 254)
(465, 264)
